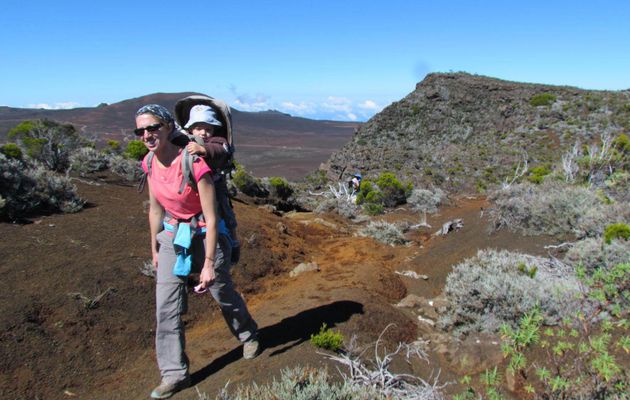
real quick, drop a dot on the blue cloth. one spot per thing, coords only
(181, 243)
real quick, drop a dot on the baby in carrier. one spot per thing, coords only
(205, 127)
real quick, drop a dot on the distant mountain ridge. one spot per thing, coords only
(268, 142)
(459, 130)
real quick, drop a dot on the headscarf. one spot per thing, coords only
(158, 111)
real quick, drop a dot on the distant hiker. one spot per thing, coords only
(209, 124)
(355, 182)
(184, 238)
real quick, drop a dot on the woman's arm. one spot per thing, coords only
(205, 188)
(156, 214)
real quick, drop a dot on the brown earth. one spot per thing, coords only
(53, 346)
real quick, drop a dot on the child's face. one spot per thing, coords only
(203, 130)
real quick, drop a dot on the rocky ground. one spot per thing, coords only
(77, 314)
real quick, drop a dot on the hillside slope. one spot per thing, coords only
(266, 141)
(460, 131)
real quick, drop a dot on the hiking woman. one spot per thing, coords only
(183, 226)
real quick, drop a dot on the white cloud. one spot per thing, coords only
(301, 108)
(339, 104)
(369, 105)
(259, 102)
(351, 116)
(64, 105)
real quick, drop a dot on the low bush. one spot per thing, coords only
(339, 205)
(591, 254)
(542, 99)
(552, 208)
(494, 288)
(537, 174)
(616, 231)
(247, 184)
(113, 146)
(387, 191)
(383, 232)
(48, 142)
(301, 383)
(135, 150)
(280, 187)
(129, 170)
(28, 187)
(11, 150)
(581, 353)
(394, 192)
(373, 209)
(424, 200)
(327, 339)
(87, 160)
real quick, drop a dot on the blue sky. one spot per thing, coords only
(342, 60)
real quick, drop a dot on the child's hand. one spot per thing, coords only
(194, 148)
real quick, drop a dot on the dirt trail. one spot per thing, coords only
(52, 345)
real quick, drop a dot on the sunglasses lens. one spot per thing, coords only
(150, 128)
(153, 128)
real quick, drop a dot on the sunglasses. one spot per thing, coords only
(150, 128)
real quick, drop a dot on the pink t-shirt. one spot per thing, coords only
(165, 182)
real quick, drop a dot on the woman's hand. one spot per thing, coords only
(207, 275)
(194, 148)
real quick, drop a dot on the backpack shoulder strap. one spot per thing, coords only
(150, 162)
(187, 171)
(143, 179)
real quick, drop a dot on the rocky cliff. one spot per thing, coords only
(463, 131)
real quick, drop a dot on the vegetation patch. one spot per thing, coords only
(616, 231)
(383, 232)
(327, 339)
(542, 99)
(499, 287)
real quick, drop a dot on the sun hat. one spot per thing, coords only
(202, 113)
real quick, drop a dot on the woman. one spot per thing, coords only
(183, 226)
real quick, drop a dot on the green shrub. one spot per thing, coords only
(21, 129)
(622, 143)
(48, 142)
(135, 150)
(542, 99)
(366, 188)
(394, 192)
(280, 187)
(247, 184)
(11, 150)
(327, 339)
(616, 231)
(537, 174)
(113, 146)
(373, 209)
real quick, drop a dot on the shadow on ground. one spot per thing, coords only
(289, 332)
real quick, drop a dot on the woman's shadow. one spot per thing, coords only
(289, 332)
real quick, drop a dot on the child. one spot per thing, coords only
(203, 124)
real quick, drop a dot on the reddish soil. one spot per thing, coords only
(54, 347)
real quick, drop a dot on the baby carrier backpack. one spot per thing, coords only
(219, 171)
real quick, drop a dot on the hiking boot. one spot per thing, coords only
(236, 252)
(166, 389)
(250, 349)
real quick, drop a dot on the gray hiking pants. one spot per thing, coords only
(171, 303)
